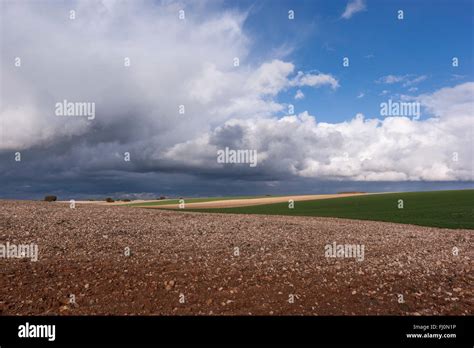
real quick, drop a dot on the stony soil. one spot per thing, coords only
(191, 256)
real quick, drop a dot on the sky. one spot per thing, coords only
(302, 84)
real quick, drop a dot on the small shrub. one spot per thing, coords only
(162, 197)
(50, 198)
(109, 200)
(126, 200)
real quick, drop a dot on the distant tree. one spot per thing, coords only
(50, 198)
(109, 200)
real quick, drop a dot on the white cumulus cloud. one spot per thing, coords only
(353, 7)
(439, 148)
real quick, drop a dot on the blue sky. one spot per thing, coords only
(376, 42)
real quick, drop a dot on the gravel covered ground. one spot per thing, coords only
(187, 263)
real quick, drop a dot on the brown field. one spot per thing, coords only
(225, 203)
(81, 252)
(232, 203)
